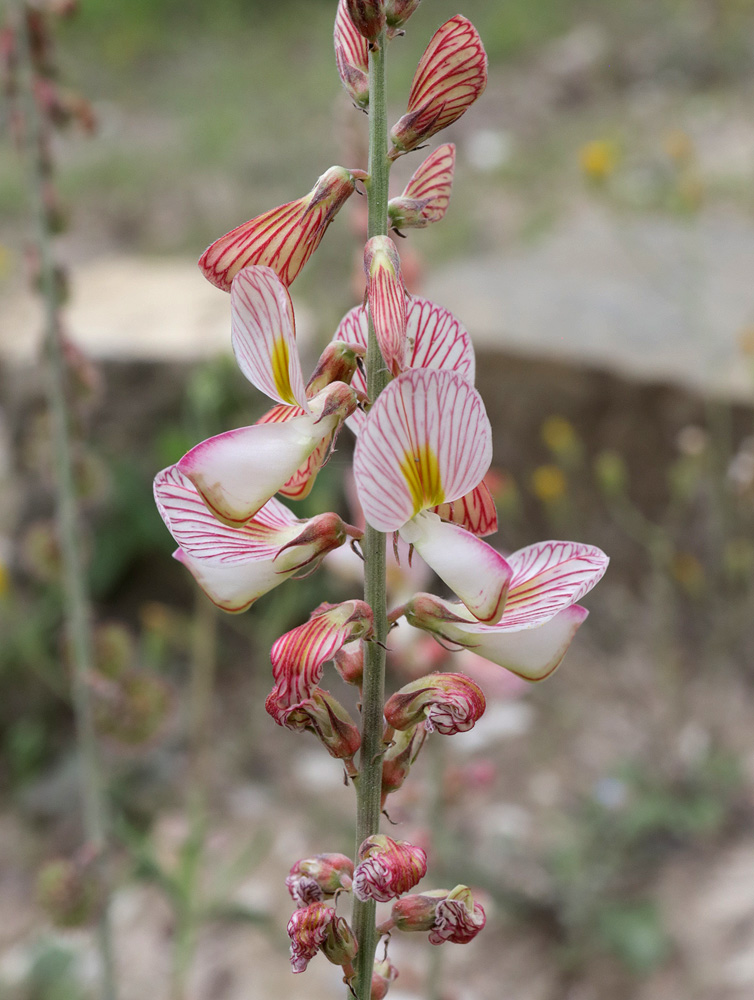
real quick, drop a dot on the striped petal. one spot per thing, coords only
(472, 568)
(237, 472)
(427, 194)
(475, 512)
(351, 57)
(299, 656)
(283, 238)
(549, 577)
(450, 76)
(301, 482)
(386, 294)
(531, 652)
(426, 441)
(234, 588)
(264, 335)
(434, 339)
(236, 565)
(202, 536)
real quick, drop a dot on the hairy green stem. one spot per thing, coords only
(201, 694)
(75, 596)
(373, 693)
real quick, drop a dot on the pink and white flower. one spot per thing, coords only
(312, 880)
(236, 565)
(238, 471)
(448, 703)
(434, 339)
(450, 76)
(449, 915)
(387, 868)
(541, 615)
(427, 442)
(322, 715)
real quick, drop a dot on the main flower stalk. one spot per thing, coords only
(373, 692)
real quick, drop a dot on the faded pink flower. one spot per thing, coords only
(387, 868)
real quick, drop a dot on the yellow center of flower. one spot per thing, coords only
(281, 371)
(421, 471)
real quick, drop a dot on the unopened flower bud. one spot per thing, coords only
(447, 915)
(283, 238)
(387, 868)
(382, 976)
(312, 880)
(450, 76)
(449, 703)
(322, 715)
(427, 194)
(351, 56)
(299, 656)
(368, 17)
(398, 758)
(337, 363)
(349, 662)
(387, 299)
(397, 12)
(319, 928)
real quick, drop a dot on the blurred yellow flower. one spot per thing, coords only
(548, 483)
(4, 580)
(561, 438)
(598, 159)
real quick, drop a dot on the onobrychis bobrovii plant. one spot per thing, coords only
(400, 372)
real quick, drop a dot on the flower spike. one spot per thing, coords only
(387, 299)
(236, 565)
(450, 76)
(298, 657)
(434, 339)
(283, 238)
(426, 441)
(427, 195)
(448, 703)
(351, 57)
(387, 868)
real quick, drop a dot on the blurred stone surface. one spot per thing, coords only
(654, 299)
